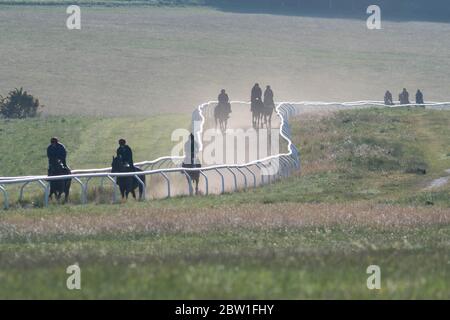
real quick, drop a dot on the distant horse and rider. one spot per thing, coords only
(262, 110)
(123, 163)
(56, 153)
(403, 98)
(222, 110)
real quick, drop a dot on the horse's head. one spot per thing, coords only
(116, 164)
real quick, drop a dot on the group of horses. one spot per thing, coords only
(127, 184)
(261, 114)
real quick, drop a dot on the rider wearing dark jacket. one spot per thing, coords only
(223, 97)
(56, 151)
(256, 93)
(419, 97)
(224, 101)
(125, 153)
(268, 97)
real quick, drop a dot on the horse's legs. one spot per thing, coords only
(196, 186)
(133, 193)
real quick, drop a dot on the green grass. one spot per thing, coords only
(91, 142)
(305, 263)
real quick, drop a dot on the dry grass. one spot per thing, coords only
(273, 216)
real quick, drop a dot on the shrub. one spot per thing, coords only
(18, 105)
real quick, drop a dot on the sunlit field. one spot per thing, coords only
(131, 61)
(360, 200)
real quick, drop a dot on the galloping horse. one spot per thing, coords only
(130, 183)
(257, 108)
(58, 187)
(221, 114)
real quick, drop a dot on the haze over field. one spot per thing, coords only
(147, 60)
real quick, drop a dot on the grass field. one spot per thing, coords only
(361, 199)
(91, 142)
(132, 61)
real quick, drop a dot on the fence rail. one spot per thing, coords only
(288, 162)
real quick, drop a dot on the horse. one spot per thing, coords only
(267, 112)
(193, 174)
(130, 183)
(58, 187)
(221, 114)
(257, 108)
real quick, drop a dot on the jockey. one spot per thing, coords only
(388, 98)
(268, 97)
(125, 153)
(256, 93)
(56, 151)
(404, 97)
(224, 100)
(223, 97)
(419, 97)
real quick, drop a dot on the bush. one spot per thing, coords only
(18, 105)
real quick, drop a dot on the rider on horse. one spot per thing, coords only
(268, 97)
(125, 154)
(256, 95)
(224, 101)
(56, 152)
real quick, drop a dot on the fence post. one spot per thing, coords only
(191, 191)
(253, 174)
(245, 177)
(113, 180)
(260, 171)
(206, 181)
(83, 191)
(235, 179)
(21, 190)
(5, 198)
(46, 187)
(223, 180)
(144, 187)
(168, 183)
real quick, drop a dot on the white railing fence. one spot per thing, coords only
(242, 176)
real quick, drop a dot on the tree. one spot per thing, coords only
(18, 105)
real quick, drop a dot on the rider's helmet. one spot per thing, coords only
(222, 91)
(122, 142)
(54, 140)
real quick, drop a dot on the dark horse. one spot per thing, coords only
(58, 187)
(222, 113)
(257, 109)
(267, 113)
(130, 183)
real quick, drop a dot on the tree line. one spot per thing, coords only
(428, 8)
